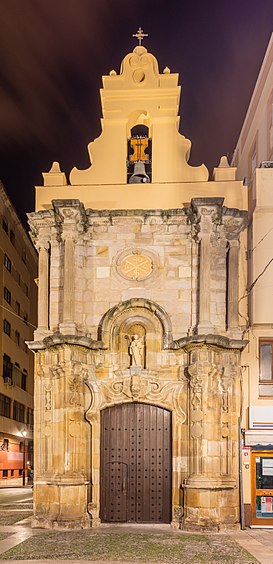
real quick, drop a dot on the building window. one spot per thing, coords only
(20, 471)
(17, 338)
(7, 295)
(24, 380)
(253, 161)
(5, 473)
(18, 411)
(6, 327)
(7, 368)
(24, 257)
(266, 368)
(5, 224)
(12, 237)
(5, 403)
(12, 473)
(7, 263)
(30, 416)
(18, 308)
(5, 444)
(266, 357)
(26, 318)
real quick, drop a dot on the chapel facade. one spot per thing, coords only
(139, 339)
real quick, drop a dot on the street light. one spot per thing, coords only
(23, 434)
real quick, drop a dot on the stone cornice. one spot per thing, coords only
(213, 340)
(185, 343)
(58, 339)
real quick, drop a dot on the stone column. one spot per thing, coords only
(206, 215)
(233, 284)
(68, 302)
(204, 324)
(55, 281)
(234, 222)
(43, 287)
(72, 221)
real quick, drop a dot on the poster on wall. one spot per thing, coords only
(267, 466)
(266, 504)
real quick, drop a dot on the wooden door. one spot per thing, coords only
(136, 464)
(262, 488)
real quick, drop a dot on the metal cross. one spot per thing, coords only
(139, 35)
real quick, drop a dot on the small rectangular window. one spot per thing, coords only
(18, 308)
(24, 257)
(266, 357)
(7, 295)
(5, 403)
(253, 161)
(24, 380)
(17, 338)
(12, 237)
(12, 473)
(6, 327)
(18, 412)
(30, 416)
(20, 471)
(7, 367)
(5, 473)
(5, 224)
(7, 263)
(5, 444)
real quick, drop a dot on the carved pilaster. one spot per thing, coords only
(234, 221)
(41, 223)
(206, 216)
(72, 218)
(213, 416)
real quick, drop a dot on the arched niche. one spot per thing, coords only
(136, 316)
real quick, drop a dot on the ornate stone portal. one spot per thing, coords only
(138, 305)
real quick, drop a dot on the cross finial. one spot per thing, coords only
(139, 35)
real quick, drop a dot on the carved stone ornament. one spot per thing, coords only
(135, 266)
(137, 387)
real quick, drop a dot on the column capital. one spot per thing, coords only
(71, 215)
(234, 243)
(234, 222)
(42, 243)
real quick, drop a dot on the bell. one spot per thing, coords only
(139, 175)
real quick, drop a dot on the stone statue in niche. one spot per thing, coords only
(136, 350)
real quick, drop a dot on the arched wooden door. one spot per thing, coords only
(136, 467)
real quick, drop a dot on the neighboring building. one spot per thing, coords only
(254, 158)
(138, 346)
(17, 317)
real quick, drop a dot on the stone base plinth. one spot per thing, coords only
(61, 505)
(211, 508)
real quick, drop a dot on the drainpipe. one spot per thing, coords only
(241, 491)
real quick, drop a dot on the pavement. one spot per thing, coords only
(258, 542)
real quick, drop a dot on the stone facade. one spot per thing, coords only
(168, 276)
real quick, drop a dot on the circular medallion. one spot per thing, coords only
(136, 266)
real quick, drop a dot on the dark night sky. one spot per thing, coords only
(53, 54)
